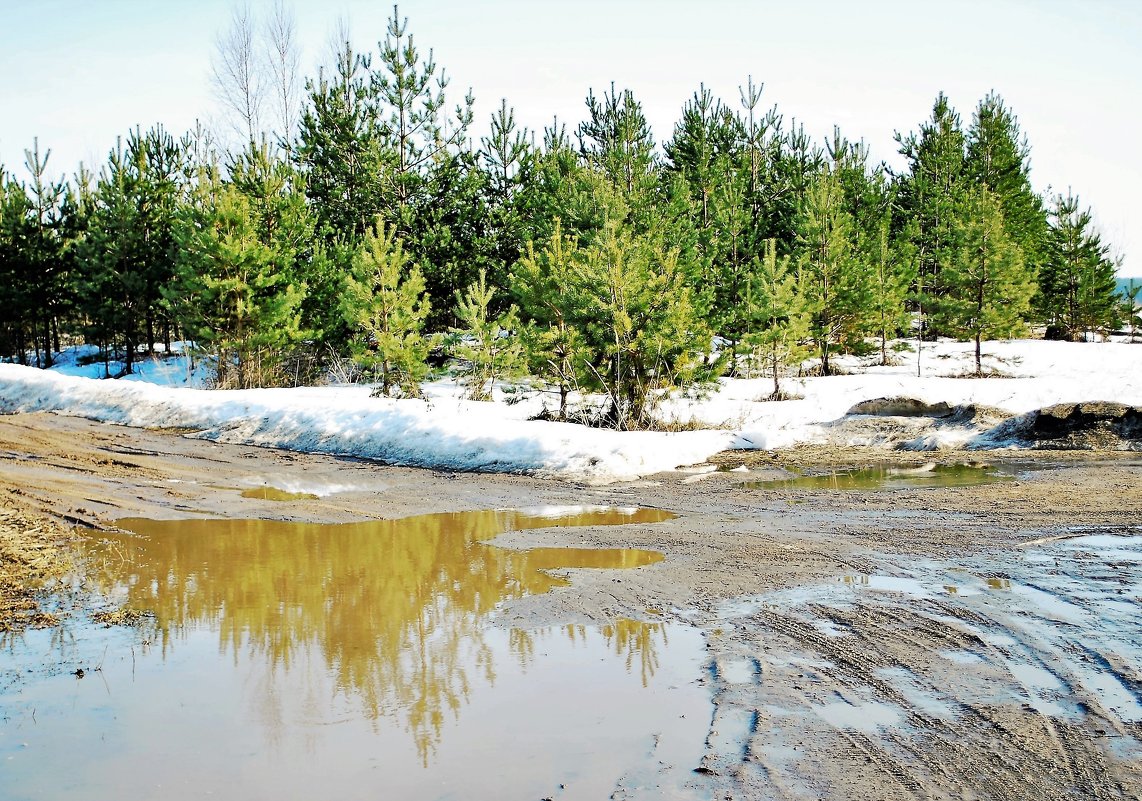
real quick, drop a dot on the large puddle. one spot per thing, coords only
(361, 660)
(896, 477)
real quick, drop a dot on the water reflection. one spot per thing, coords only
(391, 614)
(894, 477)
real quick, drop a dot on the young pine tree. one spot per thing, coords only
(988, 289)
(1131, 310)
(616, 141)
(641, 324)
(339, 150)
(232, 292)
(409, 97)
(544, 283)
(1078, 289)
(780, 316)
(486, 346)
(385, 306)
(17, 324)
(892, 273)
(836, 280)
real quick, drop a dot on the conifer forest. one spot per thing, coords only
(350, 222)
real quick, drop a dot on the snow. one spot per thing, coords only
(446, 432)
(176, 369)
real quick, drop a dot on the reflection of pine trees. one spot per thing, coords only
(393, 609)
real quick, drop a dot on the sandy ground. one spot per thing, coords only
(903, 644)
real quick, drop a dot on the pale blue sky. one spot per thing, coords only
(78, 73)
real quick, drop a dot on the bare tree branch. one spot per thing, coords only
(284, 59)
(237, 74)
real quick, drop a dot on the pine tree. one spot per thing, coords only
(415, 132)
(796, 162)
(508, 162)
(705, 140)
(704, 173)
(836, 281)
(892, 273)
(340, 152)
(486, 346)
(111, 270)
(640, 321)
(998, 156)
(988, 289)
(233, 294)
(780, 315)
(46, 283)
(1131, 309)
(929, 194)
(385, 304)
(616, 141)
(544, 283)
(17, 324)
(450, 234)
(1078, 290)
(565, 190)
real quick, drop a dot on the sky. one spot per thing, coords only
(77, 74)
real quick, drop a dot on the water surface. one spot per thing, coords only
(895, 477)
(289, 660)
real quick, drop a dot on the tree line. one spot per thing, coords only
(367, 229)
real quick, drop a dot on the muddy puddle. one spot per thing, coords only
(268, 493)
(887, 477)
(362, 660)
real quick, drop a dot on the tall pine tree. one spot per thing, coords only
(988, 289)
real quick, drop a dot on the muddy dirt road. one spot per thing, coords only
(931, 642)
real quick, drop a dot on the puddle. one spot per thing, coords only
(738, 671)
(961, 657)
(907, 586)
(300, 660)
(867, 717)
(895, 477)
(275, 494)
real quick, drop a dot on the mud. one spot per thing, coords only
(928, 642)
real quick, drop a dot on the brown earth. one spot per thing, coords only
(968, 688)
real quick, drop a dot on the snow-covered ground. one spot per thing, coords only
(447, 432)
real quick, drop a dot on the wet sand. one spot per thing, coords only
(905, 643)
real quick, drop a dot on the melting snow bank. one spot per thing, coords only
(1028, 399)
(345, 421)
(1095, 425)
(914, 425)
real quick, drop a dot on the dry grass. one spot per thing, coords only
(33, 552)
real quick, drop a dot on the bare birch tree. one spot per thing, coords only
(283, 59)
(237, 74)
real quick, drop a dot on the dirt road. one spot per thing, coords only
(969, 642)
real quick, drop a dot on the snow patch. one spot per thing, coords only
(869, 405)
